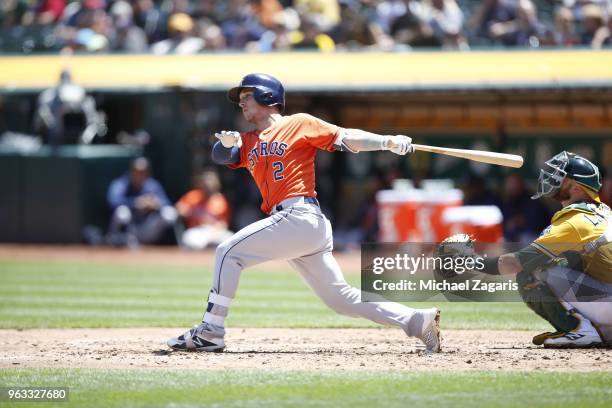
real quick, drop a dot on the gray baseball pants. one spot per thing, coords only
(302, 235)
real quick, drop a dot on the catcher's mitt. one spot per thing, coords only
(453, 247)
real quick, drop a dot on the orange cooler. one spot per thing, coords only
(415, 215)
(484, 222)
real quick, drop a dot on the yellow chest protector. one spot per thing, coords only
(571, 229)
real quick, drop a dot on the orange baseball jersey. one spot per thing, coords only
(203, 210)
(281, 157)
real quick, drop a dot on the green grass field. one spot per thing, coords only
(64, 295)
(232, 388)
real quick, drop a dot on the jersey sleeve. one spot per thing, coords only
(248, 141)
(317, 132)
(531, 258)
(558, 238)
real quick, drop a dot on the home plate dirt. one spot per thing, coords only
(377, 349)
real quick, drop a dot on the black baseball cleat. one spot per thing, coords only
(199, 338)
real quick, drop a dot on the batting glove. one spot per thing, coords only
(229, 139)
(400, 144)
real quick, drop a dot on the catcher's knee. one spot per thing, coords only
(539, 297)
(526, 284)
(532, 291)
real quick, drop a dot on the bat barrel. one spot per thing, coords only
(499, 159)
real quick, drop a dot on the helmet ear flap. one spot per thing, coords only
(266, 97)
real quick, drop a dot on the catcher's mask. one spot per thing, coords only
(566, 164)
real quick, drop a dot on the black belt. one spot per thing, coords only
(307, 200)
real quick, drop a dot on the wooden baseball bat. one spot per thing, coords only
(500, 159)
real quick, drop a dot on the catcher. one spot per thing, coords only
(565, 275)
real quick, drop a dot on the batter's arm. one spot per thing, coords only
(224, 155)
(357, 140)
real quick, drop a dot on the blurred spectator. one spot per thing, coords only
(592, 22)
(489, 14)
(78, 13)
(211, 33)
(324, 25)
(205, 213)
(527, 30)
(127, 36)
(445, 19)
(212, 10)
(363, 225)
(524, 218)
(65, 114)
(359, 27)
(242, 25)
(181, 40)
(476, 192)
(150, 19)
(311, 36)
(85, 27)
(266, 11)
(12, 12)
(278, 36)
(411, 28)
(603, 36)
(388, 11)
(353, 30)
(564, 33)
(325, 14)
(182, 6)
(44, 12)
(523, 29)
(141, 209)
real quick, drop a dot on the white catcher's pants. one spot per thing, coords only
(576, 288)
(302, 235)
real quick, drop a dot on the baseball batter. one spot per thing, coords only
(280, 156)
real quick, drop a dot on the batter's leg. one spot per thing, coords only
(323, 274)
(285, 235)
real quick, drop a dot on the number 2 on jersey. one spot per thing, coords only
(278, 171)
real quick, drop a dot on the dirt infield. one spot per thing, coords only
(377, 349)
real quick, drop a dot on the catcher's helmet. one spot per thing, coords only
(267, 90)
(566, 164)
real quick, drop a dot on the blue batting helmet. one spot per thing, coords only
(267, 90)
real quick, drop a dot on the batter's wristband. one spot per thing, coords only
(490, 266)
